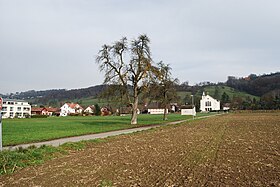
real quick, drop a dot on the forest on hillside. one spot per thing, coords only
(239, 92)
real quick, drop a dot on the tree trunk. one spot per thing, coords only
(134, 111)
(165, 106)
(165, 113)
(135, 106)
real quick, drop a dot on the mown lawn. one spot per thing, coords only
(18, 131)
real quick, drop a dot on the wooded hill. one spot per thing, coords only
(263, 88)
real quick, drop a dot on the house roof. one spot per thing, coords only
(211, 97)
(226, 105)
(37, 109)
(50, 109)
(187, 107)
(74, 105)
(91, 107)
(156, 105)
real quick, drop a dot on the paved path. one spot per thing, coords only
(60, 141)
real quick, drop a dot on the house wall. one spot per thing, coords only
(157, 111)
(14, 108)
(208, 103)
(190, 112)
(65, 110)
(89, 110)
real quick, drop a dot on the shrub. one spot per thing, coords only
(39, 116)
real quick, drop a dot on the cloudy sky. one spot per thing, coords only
(47, 44)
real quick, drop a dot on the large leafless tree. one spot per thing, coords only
(128, 64)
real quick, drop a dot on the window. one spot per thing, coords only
(4, 108)
(11, 114)
(18, 108)
(4, 102)
(11, 108)
(18, 114)
(208, 103)
(26, 109)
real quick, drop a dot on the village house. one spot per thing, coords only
(70, 108)
(15, 108)
(90, 110)
(38, 111)
(226, 106)
(105, 111)
(48, 111)
(53, 111)
(156, 108)
(188, 110)
(208, 103)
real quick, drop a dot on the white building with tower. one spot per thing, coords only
(208, 103)
(15, 108)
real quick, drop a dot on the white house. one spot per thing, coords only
(90, 109)
(208, 103)
(70, 108)
(188, 110)
(157, 111)
(156, 108)
(15, 108)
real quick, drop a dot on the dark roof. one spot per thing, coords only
(187, 107)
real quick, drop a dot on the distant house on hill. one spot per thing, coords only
(70, 108)
(90, 110)
(208, 103)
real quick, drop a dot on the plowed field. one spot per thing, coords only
(228, 150)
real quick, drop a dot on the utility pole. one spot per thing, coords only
(1, 102)
(192, 107)
(1, 132)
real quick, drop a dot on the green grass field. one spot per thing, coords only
(18, 131)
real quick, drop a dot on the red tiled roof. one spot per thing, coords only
(74, 105)
(37, 109)
(52, 109)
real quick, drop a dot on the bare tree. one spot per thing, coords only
(164, 88)
(126, 65)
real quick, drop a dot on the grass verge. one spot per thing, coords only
(20, 131)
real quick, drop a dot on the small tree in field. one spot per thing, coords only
(97, 110)
(163, 89)
(128, 65)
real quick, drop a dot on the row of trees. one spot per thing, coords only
(128, 66)
(256, 85)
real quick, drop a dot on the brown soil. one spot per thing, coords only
(229, 150)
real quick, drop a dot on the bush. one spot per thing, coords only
(39, 116)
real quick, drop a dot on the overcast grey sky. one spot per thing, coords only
(47, 44)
